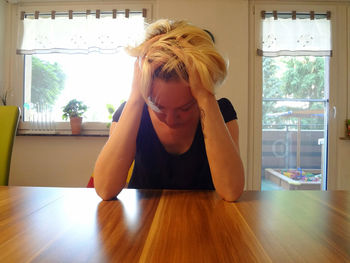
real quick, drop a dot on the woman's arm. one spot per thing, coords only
(113, 162)
(222, 147)
(220, 138)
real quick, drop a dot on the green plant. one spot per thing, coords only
(110, 109)
(74, 108)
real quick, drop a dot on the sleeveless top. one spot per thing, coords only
(155, 168)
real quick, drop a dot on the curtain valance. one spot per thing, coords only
(71, 32)
(285, 36)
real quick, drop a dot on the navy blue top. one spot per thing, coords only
(155, 168)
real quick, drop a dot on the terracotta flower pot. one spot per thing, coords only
(75, 124)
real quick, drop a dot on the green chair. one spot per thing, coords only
(9, 118)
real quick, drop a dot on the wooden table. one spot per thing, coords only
(74, 225)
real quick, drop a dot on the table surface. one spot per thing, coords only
(39, 224)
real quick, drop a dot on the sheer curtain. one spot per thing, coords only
(79, 32)
(284, 36)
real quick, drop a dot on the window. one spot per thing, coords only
(76, 55)
(99, 80)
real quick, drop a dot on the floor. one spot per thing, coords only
(267, 185)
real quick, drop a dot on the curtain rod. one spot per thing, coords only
(97, 12)
(294, 14)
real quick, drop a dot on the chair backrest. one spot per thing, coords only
(9, 118)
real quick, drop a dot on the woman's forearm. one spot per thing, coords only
(222, 151)
(114, 161)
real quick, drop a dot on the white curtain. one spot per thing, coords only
(288, 37)
(82, 34)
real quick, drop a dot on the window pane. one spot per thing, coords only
(300, 77)
(51, 80)
(294, 135)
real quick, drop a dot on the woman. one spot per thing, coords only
(179, 135)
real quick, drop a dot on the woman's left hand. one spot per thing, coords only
(200, 89)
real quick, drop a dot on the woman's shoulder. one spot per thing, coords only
(227, 110)
(118, 112)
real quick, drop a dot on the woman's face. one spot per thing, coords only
(173, 103)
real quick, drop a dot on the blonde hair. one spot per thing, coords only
(173, 50)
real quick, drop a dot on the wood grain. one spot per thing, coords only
(19, 202)
(75, 225)
(200, 227)
(295, 226)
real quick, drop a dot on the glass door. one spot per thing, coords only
(296, 51)
(294, 122)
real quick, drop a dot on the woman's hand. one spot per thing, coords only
(136, 82)
(200, 90)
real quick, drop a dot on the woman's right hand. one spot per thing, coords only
(144, 66)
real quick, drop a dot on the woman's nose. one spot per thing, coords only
(171, 118)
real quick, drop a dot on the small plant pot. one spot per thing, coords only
(347, 124)
(75, 124)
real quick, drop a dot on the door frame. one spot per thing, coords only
(255, 84)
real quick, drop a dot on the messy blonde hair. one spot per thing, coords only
(173, 50)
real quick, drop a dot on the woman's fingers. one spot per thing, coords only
(136, 83)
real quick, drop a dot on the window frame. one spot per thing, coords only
(16, 75)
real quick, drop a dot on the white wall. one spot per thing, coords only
(3, 12)
(54, 161)
(343, 105)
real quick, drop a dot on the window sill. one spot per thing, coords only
(63, 129)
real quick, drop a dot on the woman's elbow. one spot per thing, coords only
(233, 196)
(106, 192)
(233, 193)
(106, 195)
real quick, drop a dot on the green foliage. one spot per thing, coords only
(74, 108)
(292, 77)
(47, 82)
(110, 109)
(271, 82)
(271, 89)
(304, 78)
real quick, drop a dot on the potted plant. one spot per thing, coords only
(74, 110)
